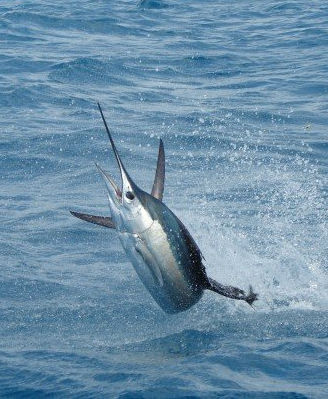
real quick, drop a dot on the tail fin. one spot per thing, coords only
(251, 297)
(232, 292)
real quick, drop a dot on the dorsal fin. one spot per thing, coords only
(158, 186)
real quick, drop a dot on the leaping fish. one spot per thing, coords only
(159, 246)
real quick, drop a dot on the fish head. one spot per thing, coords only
(126, 202)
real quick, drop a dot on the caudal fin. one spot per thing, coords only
(251, 297)
(232, 292)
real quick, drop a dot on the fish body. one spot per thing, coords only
(165, 258)
(159, 246)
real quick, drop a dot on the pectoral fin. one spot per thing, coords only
(101, 220)
(158, 186)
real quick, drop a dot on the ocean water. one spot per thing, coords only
(238, 91)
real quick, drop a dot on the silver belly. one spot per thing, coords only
(164, 274)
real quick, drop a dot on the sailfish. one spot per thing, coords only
(162, 251)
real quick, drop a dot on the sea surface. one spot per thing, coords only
(238, 91)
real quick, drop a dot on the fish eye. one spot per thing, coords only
(129, 195)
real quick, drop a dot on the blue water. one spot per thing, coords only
(238, 91)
